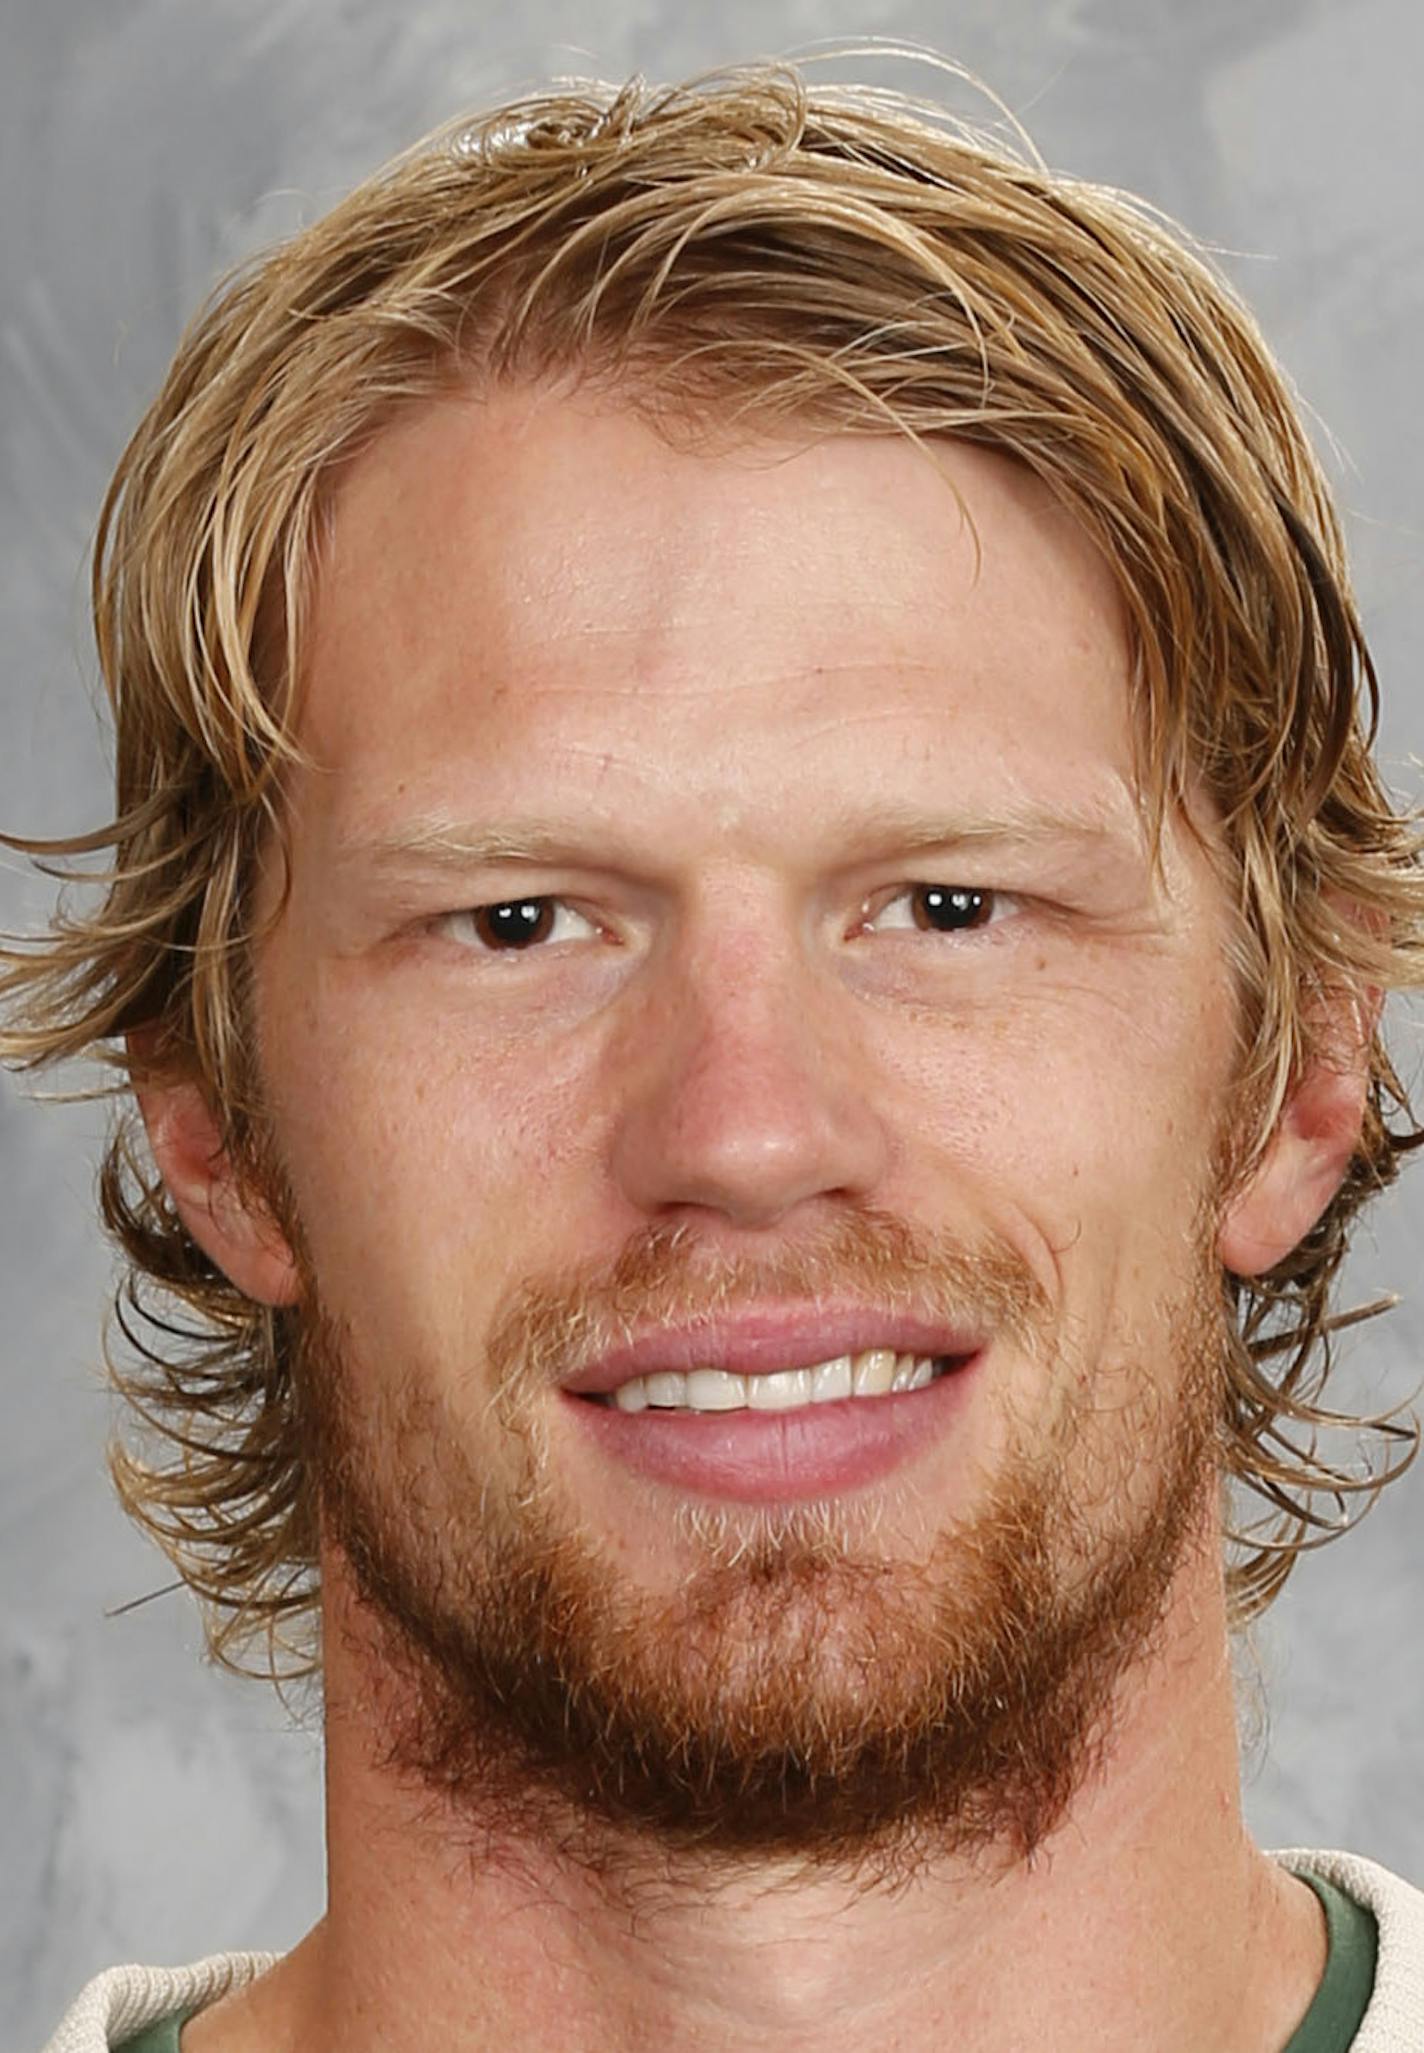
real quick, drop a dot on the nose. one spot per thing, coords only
(743, 1089)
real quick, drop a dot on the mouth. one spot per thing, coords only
(779, 1436)
(874, 1372)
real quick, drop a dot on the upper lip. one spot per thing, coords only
(755, 1343)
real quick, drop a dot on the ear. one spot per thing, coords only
(218, 1207)
(1310, 1147)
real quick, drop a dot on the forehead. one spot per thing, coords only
(532, 564)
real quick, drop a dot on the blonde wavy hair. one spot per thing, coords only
(742, 252)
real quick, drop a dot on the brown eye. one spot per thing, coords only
(518, 924)
(950, 908)
(940, 909)
(512, 925)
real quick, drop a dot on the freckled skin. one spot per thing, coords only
(724, 675)
(700, 660)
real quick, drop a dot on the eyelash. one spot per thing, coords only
(998, 904)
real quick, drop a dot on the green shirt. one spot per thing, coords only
(1329, 2026)
(158, 2038)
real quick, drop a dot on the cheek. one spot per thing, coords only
(420, 1166)
(433, 1164)
(1092, 1114)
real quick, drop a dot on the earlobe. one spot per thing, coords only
(1307, 1156)
(224, 1216)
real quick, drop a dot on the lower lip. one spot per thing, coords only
(762, 1457)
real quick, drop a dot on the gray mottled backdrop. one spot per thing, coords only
(148, 1807)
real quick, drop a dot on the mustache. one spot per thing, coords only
(551, 1327)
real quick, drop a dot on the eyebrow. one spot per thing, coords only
(436, 842)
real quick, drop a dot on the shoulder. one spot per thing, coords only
(1395, 2018)
(119, 2003)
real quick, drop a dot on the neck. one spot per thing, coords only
(1148, 1918)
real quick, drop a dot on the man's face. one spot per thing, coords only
(825, 1003)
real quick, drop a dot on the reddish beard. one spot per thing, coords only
(801, 1696)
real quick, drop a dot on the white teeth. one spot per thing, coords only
(873, 1373)
(666, 1387)
(832, 1380)
(715, 1390)
(783, 1390)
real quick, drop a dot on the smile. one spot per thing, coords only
(875, 1372)
(780, 1434)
